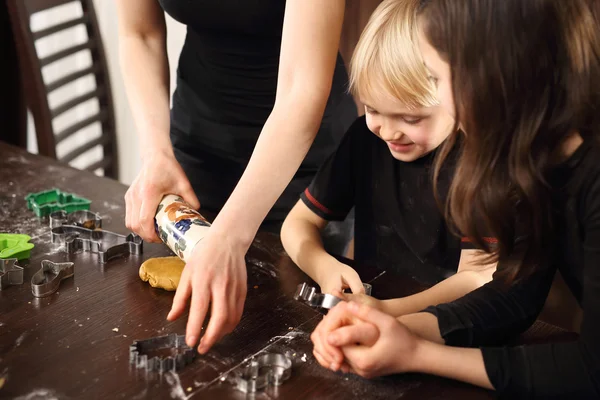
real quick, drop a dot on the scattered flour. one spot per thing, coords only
(40, 394)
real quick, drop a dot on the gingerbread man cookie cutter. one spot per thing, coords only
(263, 370)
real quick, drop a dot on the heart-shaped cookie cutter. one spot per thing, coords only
(47, 280)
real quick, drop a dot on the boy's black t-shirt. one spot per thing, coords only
(398, 226)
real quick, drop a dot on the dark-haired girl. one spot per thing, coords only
(522, 78)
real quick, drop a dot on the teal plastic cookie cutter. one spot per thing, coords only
(49, 201)
(13, 245)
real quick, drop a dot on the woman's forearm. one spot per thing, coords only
(446, 291)
(283, 143)
(146, 74)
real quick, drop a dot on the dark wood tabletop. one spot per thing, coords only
(75, 343)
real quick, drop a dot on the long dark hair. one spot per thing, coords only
(525, 76)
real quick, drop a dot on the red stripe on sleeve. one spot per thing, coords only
(316, 203)
(490, 240)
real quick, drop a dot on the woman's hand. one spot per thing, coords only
(215, 275)
(160, 175)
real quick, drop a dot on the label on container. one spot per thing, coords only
(179, 226)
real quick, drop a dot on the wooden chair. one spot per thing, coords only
(37, 91)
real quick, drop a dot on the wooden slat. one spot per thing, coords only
(34, 6)
(70, 78)
(104, 163)
(89, 45)
(102, 140)
(98, 92)
(100, 117)
(60, 27)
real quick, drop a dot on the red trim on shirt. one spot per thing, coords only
(490, 240)
(316, 203)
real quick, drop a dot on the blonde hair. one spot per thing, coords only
(387, 57)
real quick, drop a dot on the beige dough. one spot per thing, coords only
(162, 272)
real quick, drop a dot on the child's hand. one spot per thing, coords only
(362, 298)
(336, 277)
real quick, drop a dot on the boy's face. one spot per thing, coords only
(409, 134)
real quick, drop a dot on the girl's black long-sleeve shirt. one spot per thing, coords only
(493, 313)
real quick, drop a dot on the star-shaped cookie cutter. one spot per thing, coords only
(139, 358)
(107, 245)
(308, 294)
(263, 370)
(10, 273)
(47, 280)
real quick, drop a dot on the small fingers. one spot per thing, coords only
(353, 281)
(362, 332)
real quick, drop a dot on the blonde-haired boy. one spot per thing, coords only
(382, 169)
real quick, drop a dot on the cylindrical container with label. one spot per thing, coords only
(179, 226)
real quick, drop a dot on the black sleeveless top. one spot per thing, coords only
(227, 78)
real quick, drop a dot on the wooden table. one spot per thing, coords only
(75, 343)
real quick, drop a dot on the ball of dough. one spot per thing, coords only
(162, 272)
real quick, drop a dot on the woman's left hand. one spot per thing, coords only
(215, 276)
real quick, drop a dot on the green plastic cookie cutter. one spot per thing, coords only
(13, 245)
(49, 201)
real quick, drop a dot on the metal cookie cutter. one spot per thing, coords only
(84, 218)
(263, 370)
(107, 245)
(47, 280)
(309, 295)
(10, 273)
(139, 359)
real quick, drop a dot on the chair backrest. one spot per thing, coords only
(38, 92)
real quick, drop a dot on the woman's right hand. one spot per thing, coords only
(160, 175)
